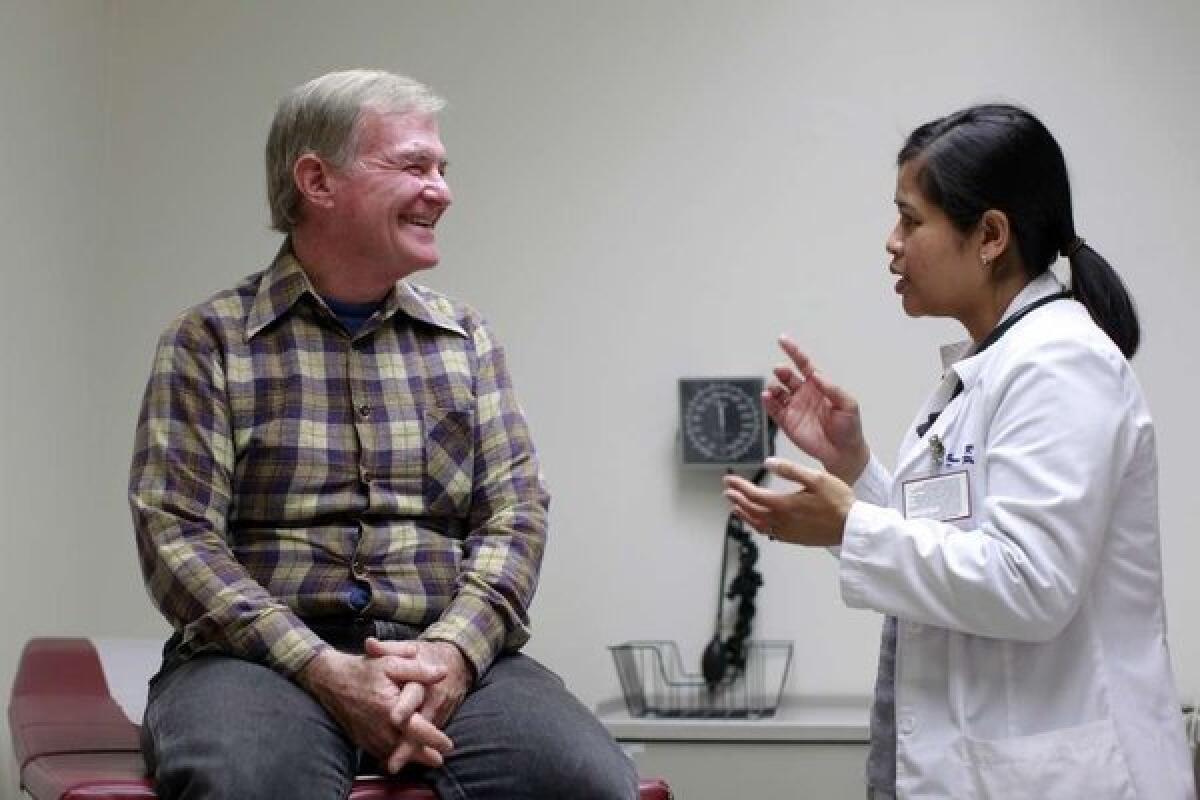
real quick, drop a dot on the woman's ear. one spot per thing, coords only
(313, 180)
(994, 233)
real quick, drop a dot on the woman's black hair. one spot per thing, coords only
(1001, 157)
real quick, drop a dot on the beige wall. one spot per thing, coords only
(66, 564)
(644, 191)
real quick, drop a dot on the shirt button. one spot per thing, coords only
(364, 411)
(358, 568)
(906, 724)
(366, 476)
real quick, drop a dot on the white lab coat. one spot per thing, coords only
(1031, 656)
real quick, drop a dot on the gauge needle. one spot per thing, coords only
(721, 419)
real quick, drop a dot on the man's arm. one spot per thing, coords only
(180, 493)
(507, 522)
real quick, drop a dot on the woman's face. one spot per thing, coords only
(940, 270)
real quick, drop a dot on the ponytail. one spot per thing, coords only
(1098, 286)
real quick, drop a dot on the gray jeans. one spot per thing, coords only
(221, 727)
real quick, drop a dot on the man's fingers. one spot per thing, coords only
(403, 662)
(402, 755)
(421, 732)
(422, 742)
(427, 756)
(408, 670)
(411, 749)
(412, 695)
(402, 648)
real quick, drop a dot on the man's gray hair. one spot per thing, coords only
(321, 117)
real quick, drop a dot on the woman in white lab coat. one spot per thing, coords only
(1015, 548)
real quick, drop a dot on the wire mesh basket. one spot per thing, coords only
(655, 683)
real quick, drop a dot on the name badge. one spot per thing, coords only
(942, 497)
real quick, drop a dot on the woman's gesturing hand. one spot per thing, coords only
(820, 418)
(814, 514)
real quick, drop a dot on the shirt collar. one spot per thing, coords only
(964, 361)
(281, 287)
(433, 309)
(285, 282)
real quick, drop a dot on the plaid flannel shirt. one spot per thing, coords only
(281, 466)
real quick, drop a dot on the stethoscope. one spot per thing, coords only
(987, 342)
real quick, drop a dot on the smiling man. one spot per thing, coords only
(337, 502)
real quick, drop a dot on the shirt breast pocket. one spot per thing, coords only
(449, 472)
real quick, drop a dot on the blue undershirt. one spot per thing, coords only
(352, 315)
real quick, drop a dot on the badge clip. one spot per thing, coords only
(937, 449)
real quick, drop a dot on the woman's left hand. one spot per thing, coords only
(815, 514)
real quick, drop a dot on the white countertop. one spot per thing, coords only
(799, 719)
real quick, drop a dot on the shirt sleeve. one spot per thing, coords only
(507, 522)
(180, 492)
(1062, 431)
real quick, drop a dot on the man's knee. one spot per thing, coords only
(534, 767)
(603, 774)
(221, 763)
(220, 774)
(530, 734)
(221, 728)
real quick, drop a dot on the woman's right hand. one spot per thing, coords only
(819, 418)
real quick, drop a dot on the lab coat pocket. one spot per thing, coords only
(1084, 761)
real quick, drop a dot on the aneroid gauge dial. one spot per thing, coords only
(722, 421)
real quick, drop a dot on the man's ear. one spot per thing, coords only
(313, 180)
(995, 233)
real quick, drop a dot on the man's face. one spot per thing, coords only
(389, 198)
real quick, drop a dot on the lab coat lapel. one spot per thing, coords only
(916, 447)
